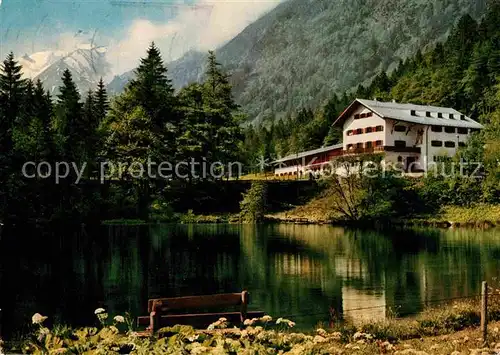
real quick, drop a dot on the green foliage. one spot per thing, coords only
(258, 335)
(254, 204)
(360, 189)
(162, 211)
(188, 217)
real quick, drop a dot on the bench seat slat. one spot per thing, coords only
(206, 301)
(201, 320)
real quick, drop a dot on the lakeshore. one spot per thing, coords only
(480, 216)
(452, 329)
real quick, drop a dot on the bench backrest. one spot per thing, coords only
(205, 301)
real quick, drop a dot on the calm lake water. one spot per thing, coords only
(300, 272)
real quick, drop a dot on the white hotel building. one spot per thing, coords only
(412, 135)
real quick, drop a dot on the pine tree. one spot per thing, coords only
(193, 141)
(12, 89)
(69, 119)
(222, 112)
(101, 102)
(153, 91)
(43, 111)
(91, 138)
(142, 123)
(461, 42)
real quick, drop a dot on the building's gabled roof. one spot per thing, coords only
(403, 112)
(308, 153)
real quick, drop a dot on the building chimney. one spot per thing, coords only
(375, 99)
(393, 101)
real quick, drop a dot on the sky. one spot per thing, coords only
(125, 27)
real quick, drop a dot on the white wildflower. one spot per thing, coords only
(99, 311)
(337, 335)
(321, 331)
(358, 335)
(319, 339)
(38, 318)
(119, 319)
(248, 322)
(266, 319)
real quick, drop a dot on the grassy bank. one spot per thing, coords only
(186, 218)
(320, 210)
(481, 215)
(448, 329)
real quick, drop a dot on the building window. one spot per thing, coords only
(378, 143)
(363, 115)
(400, 159)
(359, 145)
(449, 144)
(350, 132)
(436, 143)
(452, 117)
(379, 128)
(369, 129)
(359, 131)
(428, 114)
(356, 116)
(440, 115)
(368, 144)
(462, 130)
(400, 128)
(461, 144)
(369, 114)
(449, 129)
(400, 144)
(437, 129)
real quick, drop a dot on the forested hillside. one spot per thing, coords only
(303, 51)
(462, 72)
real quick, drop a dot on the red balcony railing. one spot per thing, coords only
(382, 149)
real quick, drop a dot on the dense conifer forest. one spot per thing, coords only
(201, 123)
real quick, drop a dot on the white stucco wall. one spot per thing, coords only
(444, 137)
(353, 124)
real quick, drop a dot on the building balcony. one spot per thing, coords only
(382, 149)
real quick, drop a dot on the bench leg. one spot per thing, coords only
(154, 322)
(244, 306)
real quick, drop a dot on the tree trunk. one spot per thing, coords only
(143, 200)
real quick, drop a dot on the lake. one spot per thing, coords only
(294, 271)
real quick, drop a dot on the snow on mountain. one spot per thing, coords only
(86, 64)
(36, 63)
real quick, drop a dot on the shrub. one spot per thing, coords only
(254, 204)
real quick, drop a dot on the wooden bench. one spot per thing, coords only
(162, 311)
